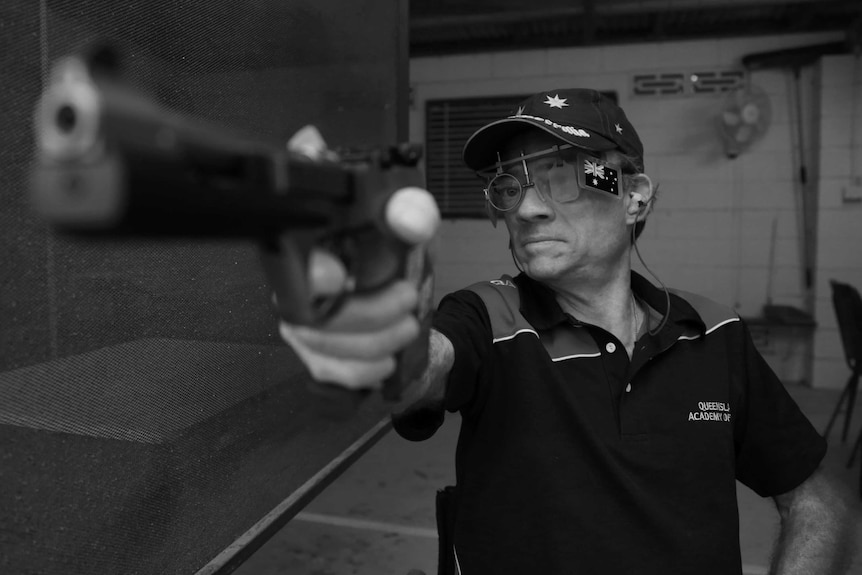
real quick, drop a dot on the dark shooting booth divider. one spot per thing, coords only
(151, 420)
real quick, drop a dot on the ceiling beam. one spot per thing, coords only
(589, 22)
(588, 29)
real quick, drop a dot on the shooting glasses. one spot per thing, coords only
(562, 182)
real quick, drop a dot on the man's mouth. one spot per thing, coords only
(538, 240)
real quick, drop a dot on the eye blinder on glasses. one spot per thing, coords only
(504, 191)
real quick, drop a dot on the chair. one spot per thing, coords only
(848, 310)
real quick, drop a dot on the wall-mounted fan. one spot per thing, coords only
(743, 119)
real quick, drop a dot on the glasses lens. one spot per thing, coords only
(563, 183)
(504, 192)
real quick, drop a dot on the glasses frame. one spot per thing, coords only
(498, 168)
(582, 158)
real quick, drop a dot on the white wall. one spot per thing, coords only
(711, 229)
(839, 245)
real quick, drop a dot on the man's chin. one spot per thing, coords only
(543, 269)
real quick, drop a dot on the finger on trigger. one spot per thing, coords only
(371, 311)
(327, 276)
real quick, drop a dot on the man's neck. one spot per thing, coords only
(604, 300)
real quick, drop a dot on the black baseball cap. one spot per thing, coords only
(584, 118)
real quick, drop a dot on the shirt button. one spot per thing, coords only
(628, 387)
(611, 347)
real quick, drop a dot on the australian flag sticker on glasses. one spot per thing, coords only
(599, 176)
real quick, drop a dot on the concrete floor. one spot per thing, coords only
(378, 517)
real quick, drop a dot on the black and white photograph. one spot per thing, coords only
(431, 287)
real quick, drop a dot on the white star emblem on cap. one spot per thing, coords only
(619, 128)
(556, 102)
(520, 111)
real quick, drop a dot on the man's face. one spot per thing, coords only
(556, 240)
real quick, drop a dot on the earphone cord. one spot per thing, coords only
(514, 259)
(656, 278)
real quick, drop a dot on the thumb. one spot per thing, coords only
(412, 215)
(308, 142)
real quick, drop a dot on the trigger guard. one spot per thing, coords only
(359, 251)
(324, 307)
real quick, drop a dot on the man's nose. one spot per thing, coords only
(535, 204)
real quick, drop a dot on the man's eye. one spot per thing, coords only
(510, 192)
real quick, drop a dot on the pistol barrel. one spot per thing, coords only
(112, 161)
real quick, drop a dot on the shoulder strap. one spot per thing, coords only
(713, 314)
(502, 300)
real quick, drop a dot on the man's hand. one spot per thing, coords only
(356, 347)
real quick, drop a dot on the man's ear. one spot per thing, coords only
(640, 198)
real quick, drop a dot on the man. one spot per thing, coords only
(605, 421)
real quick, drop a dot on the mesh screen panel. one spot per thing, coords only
(149, 414)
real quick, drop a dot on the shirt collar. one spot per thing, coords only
(540, 308)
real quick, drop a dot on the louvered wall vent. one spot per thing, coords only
(687, 83)
(448, 124)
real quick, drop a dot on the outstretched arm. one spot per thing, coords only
(429, 391)
(817, 529)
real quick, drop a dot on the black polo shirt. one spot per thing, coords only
(574, 459)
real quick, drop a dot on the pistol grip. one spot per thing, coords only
(286, 265)
(413, 359)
